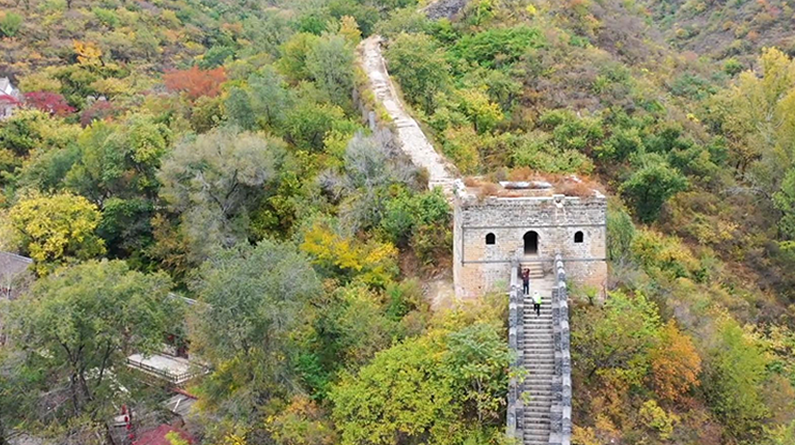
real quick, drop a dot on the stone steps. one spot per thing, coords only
(538, 359)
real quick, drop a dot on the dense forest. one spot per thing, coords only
(201, 172)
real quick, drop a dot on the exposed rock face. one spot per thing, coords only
(444, 9)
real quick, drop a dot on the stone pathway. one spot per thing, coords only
(412, 139)
(539, 361)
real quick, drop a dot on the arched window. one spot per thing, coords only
(530, 243)
(490, 239)
(578, 237)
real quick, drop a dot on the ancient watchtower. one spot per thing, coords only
(530, 222)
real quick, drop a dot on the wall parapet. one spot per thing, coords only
(560, 411)
(515, 413)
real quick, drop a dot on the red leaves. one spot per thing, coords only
(7, 99)
(100, 110)
(195, 82)
(52, 103)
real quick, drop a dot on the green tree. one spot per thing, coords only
(649, 187)
(784, 200)
(331, 64)
(126, 228)
(420, 65)
(76, 328)
(444, 387)
(27, 130)
(56, 229)
(120, 160)
(310, 122)
(499, 46)
(483, 114)
(270, 97)
(621, 233)
(404, 393)
(477, 358)
(294, 54)
(238, 109)
(213, 180)
(735, 373)
(617, 338)
(254, 301)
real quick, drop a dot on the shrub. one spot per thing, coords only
(656, 418)
(733, 66)
(665, 254)
(461, 146)
(10, 23)
(648, 188)
(195, 82)
(496, 47)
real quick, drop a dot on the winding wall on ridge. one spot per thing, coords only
(412, 140)
(541, 344)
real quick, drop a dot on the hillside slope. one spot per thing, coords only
(700, 244)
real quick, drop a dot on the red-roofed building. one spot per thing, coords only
(157, 436)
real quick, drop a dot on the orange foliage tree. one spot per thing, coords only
(675, 364)
(195, 82)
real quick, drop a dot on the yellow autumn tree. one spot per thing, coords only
(372, 262)
(675, 364)
(56, 229)
(350, 29)
(88, 53)
(303, 422)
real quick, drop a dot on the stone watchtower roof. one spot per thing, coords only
(537, 187)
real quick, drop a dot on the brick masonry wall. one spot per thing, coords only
(560, 411)
(479, 268)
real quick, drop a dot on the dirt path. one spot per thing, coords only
(412, 139)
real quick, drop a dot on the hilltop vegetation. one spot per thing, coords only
(216, 149)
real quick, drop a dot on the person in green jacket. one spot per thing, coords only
(537, 303)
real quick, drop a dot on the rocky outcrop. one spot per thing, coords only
(444, 9)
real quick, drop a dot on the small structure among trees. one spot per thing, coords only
(10, 98)
(13, 269)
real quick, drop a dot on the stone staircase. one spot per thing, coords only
(538, 359)
(536, 270)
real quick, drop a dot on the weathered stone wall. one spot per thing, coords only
(514, 415)
(479, 267)
(560, 411)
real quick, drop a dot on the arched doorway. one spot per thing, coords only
(531, 243)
